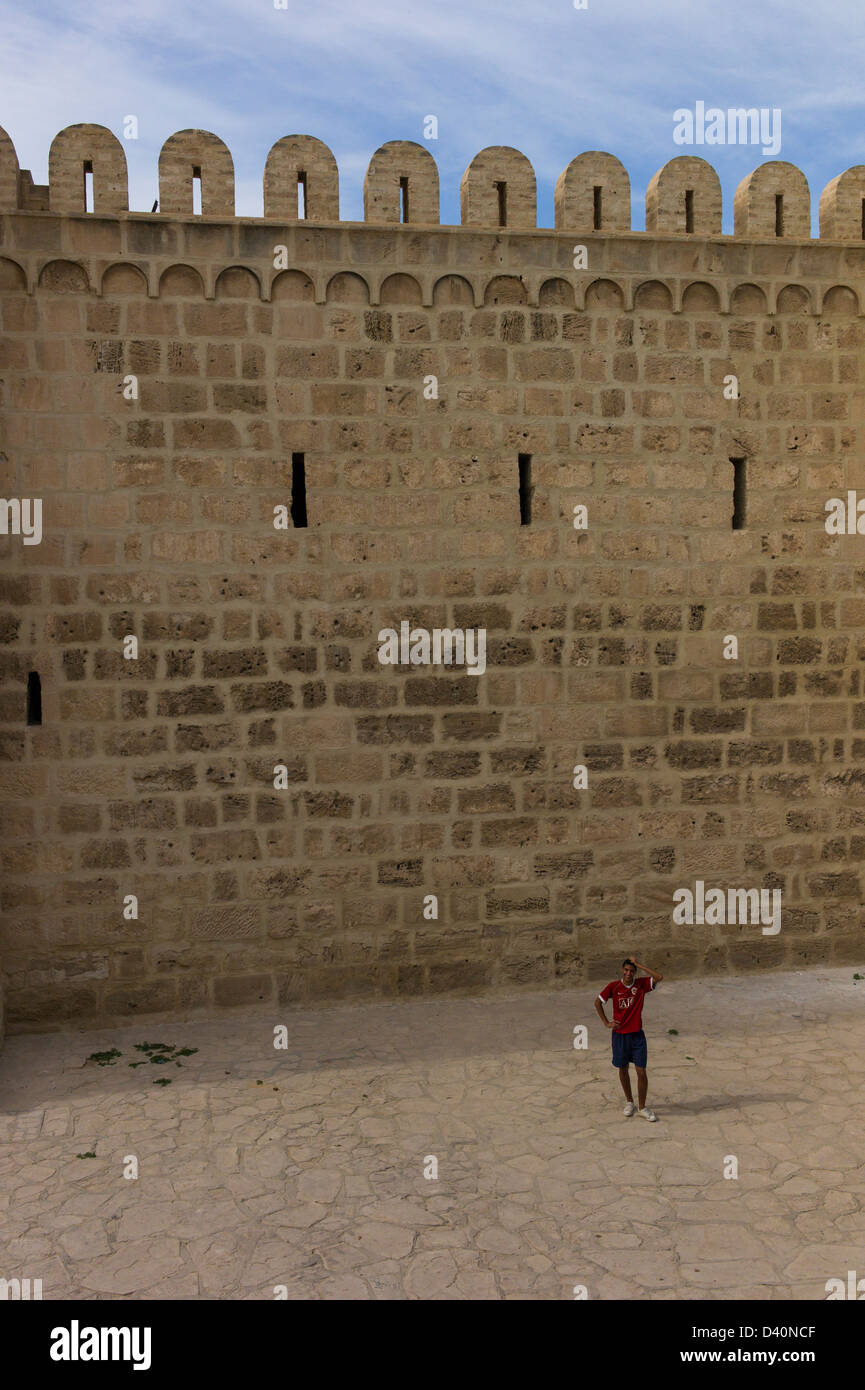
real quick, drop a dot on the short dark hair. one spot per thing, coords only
(630, 962)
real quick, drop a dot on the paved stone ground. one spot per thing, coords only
(305, 1167)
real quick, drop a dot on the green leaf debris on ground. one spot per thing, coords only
(105, 1059)
(158, 1053)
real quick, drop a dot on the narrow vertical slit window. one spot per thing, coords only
(597, 211)
(689, 209)
(34, 698)
(88, 185)
(301, 195)
(739, 494)
(779, 214)
(196, 190)
(502, 195)
(525, 473)
(403, 200)
(298, 490)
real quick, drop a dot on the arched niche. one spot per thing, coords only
(64, 277)
(840, 299)
(126, 280)
(604, 294)
(793, 299)
(347, 288)
(237, 282)
(652, 294)
(453, 290)
(400, 289)
(181, 282)
(293, 285)
(701, 298)
(505, 289)
(748, 299)
(556, 294)
(12, 275)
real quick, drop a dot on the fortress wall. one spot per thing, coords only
(258, 647)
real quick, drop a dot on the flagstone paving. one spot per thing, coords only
(304, 1169)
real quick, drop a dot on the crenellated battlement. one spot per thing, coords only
(401, 186)
(261, 447)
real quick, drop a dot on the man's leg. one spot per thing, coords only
(642, 1087)
(625, 1078)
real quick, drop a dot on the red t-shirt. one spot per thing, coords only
(627, 1002)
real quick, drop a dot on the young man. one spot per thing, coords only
(629, 1040)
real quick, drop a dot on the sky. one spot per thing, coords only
(540, 75)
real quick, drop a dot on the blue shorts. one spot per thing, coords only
(629, 1047)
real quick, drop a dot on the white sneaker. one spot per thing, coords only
(647, 1114)
(630, 1107)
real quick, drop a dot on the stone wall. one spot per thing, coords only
(257, 646)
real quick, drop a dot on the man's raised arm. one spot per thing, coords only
(655, 974)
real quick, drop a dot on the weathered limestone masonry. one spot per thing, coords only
(258, 646)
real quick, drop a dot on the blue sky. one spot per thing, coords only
(537, 74)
